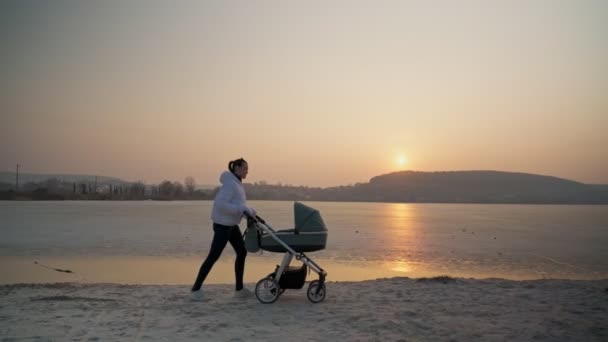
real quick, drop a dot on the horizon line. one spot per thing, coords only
(294, 185)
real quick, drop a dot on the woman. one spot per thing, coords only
(228, 209)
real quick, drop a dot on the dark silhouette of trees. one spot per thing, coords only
(406, 186)
(190, 185)
(57, 189)
(137, 190)
(165, 189)
(178, 189)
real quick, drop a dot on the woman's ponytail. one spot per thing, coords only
(234, 163)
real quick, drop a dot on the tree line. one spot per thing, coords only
(57, 189)
(400, 187)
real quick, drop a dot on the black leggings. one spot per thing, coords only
(223, 234)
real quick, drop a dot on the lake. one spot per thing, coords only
(165, 242)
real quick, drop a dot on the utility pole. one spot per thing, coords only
(17, 179)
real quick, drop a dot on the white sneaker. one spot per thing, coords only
(196, 295)
(243, 293)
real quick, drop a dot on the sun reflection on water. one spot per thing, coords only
(399, 220)
(401, 266)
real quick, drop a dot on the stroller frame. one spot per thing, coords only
(270, 284)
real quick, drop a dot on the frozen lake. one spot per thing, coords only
(165, 242)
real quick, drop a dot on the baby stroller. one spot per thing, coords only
(309, 235)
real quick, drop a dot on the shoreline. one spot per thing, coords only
(441, 279)
(431, 309)
(306, 200)
(158, 270)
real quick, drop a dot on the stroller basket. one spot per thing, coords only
(292, 278)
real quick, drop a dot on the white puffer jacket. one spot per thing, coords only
(230, 201)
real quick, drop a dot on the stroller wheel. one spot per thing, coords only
(313, 295)
(267, 290)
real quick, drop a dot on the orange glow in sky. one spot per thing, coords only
(310, 93)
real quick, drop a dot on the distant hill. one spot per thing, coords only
(9, 177)
(483, 187)
(448, 187)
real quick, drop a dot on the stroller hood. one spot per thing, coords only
(309, 235)
(307, 219)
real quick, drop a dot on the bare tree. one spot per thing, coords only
(178, 189)
(165, 189)
(137, 190)
(190, 184)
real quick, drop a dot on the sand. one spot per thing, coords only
(395, 309)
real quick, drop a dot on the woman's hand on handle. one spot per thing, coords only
(250, 212)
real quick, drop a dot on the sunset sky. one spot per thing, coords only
(315, 93)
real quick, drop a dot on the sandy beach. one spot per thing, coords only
(395, 309)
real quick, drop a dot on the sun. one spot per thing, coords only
(401, 160)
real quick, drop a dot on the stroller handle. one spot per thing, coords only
(256, 218)
(251, 219)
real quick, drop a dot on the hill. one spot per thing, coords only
(448, 187)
